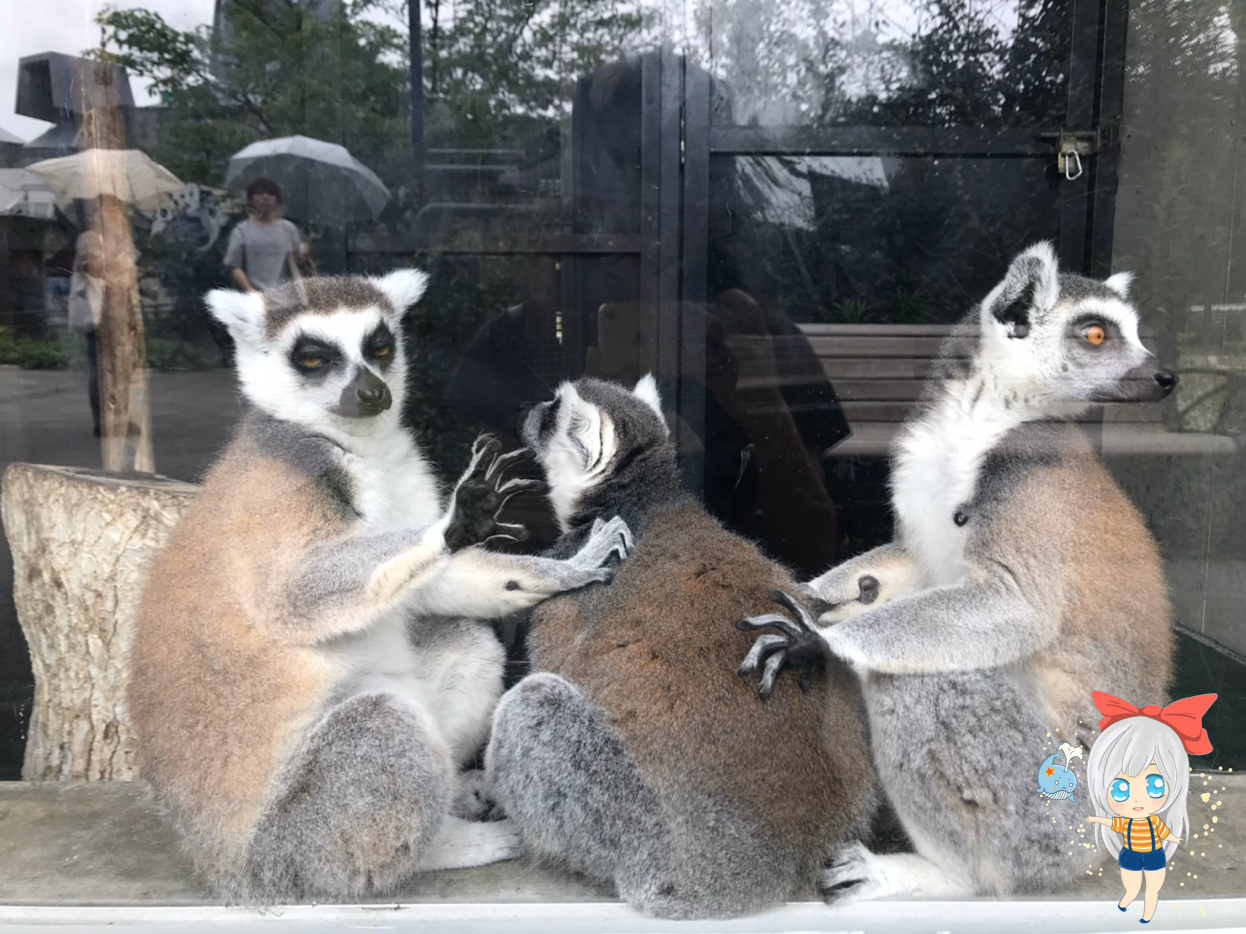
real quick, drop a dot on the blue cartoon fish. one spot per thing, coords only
(1058, 782)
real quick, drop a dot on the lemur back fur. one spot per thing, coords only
(304, 685)
(636, 752)
(1021, 578)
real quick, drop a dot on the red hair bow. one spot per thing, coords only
(1184, 716)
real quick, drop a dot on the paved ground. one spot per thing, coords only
(78, 843)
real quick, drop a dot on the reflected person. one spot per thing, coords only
(265, 250)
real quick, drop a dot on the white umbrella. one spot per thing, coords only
(321, 183)
(126, 174)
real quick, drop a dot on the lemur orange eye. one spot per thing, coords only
(1095, 334)
(311, 363)
(383, 351)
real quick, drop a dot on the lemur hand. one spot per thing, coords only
(608, 544)
(800, 646)
(481, 494)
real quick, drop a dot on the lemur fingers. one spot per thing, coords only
(801, 614)
(521, 485)
(774, 664)
(769, 619)
(506, 532)
(505, 461)
(608, 539)
(760, 649)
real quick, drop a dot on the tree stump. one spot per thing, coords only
(81, 542)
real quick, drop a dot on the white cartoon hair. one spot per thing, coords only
(1129, 746)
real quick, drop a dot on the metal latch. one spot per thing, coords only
(1072, 147)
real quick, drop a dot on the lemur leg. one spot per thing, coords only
(946, 749)
(358, 806)
(574, 794)
(566, 782)
(861, 583)
(461, 668)
(461, 665)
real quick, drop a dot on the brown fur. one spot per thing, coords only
(1115, 633)
(243, 694)
(659, 659)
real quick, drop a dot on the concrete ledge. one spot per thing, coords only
(77, 844)
(964, 917)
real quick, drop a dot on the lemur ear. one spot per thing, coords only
(403, 288)
(242, 313)
(1029, 289)
(1120, 283)
(647, 392)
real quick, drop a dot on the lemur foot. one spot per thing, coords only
(800, 646)
(482, 494)
(460, 844)
(607, 540)
(854, 875)
(473, 800)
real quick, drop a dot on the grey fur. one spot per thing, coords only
(362, 796)
(310, 667)
(613, 757)
(320, 295)
(993, 631)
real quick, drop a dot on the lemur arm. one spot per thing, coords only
(345, 584)
(486, 585)
(857, 585)
(981, 624)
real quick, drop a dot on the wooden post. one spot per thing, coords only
(125, 410)
(81, 543)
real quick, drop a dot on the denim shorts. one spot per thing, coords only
(1135, 861)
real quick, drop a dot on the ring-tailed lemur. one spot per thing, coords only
(1021, 578)
(634, 754)
(304, 684)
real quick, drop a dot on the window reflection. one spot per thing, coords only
(778, 208)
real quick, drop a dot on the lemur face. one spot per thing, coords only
(585, 432)
(1060, 338)
(326, 352)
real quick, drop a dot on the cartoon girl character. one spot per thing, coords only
(1139, 771)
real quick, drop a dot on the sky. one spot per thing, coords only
(34, 26)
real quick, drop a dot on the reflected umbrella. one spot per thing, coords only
(322, 182)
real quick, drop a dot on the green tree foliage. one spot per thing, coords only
(516, 62)
(281, 68)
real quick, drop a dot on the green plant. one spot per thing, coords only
(31, 353)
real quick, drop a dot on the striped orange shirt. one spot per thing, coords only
(1142, 835)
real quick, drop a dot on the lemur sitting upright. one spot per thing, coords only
(634, 754)
(304, 683)
(1021, 578)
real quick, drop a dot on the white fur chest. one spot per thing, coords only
(392, 484)
(935, 473)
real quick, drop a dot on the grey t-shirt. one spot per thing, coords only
(262, 251)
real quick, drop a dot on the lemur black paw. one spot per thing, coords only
(482, 494)
(798, 645)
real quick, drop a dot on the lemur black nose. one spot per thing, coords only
(1167, 379)
(366, 395)
(370, 395)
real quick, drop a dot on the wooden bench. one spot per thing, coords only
(878, 371)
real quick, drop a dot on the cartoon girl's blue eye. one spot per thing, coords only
(1120, 790)
(1155, 786)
